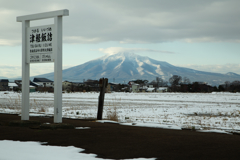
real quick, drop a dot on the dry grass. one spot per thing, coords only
(112, 115)
(13, 104)
(42, 109)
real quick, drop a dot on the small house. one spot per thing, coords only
(44, 82)
(135, 87)
(66, 85)
(150, 90)
(4, 84)
(162, 89)
(12, 86)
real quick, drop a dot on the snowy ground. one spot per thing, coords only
(205, 111)
(15, 150)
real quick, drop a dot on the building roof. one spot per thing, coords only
(34, 84)
(150, 89)
(78, 82)
(41, 80)
(12, 84)
(66, 82)
(135, 84)
(112, 83)
(4, 80)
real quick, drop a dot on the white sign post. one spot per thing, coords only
(42, 44)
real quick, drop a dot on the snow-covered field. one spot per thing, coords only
(205, 111)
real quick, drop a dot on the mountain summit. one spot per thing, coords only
(126, 66)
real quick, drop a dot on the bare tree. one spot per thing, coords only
(227, 85)
(158, 80)
(186, 80)
(175, 80)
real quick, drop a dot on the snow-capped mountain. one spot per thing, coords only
(232, 74)
(123, 67)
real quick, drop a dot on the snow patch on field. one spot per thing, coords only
(152, 125)
(14, 150)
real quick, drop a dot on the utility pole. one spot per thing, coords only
(103, 82)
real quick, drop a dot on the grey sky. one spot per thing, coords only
(201, 34)
(135, 21)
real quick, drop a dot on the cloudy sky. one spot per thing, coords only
(202, 35)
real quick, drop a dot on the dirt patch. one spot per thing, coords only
(123, 142)
(20, 123)
(56, 126)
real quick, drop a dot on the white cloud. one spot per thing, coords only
(136, 21)
(9, 42)
(215, 68)
(80, 39)
(12, 71)
(114, 50)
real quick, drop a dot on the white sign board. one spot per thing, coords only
(42, 44)
(40, 41)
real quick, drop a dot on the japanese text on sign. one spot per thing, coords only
(40, 44)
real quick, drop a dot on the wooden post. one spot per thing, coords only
(102, 84)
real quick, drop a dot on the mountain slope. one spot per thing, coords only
(127, 66)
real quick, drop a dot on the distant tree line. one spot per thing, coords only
(230, 86)
(178, 84)
(174, 84)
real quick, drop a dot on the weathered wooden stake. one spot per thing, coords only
(103, 84)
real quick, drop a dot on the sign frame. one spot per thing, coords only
(57, 59)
